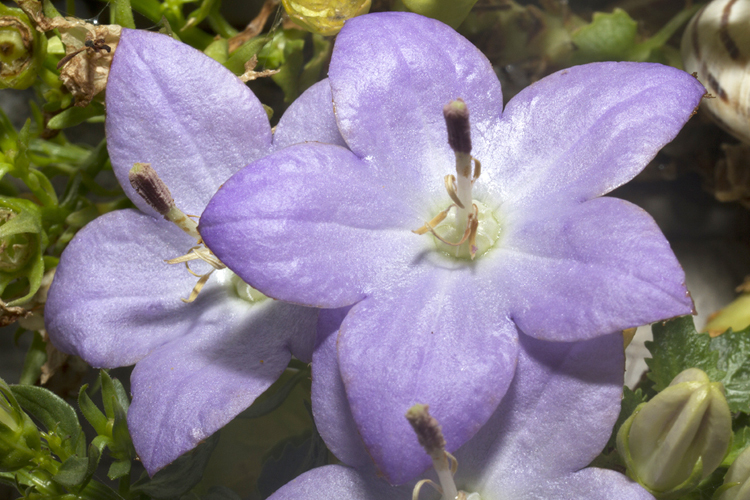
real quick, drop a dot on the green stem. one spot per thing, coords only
(219, 24)
(669, 29)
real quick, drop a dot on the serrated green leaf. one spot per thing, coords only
(726, 358)
(181, 475)
(734, 360)
(677, 347)
(55, 414)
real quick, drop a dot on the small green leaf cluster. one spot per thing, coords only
(51, 458)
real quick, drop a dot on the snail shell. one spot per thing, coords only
(716, 46)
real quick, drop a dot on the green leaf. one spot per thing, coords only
(734, 360)
(72, 472)
(180, 476)
(740, 441)
(119, 469)
(238, 58)
(726, 358)
(199, 14)
(289, 459)
(75, 116)
(609, 37)
(677, 347)
(91, 413)
(630, 400)
(55, 414)
(274, 396)
(36, 356)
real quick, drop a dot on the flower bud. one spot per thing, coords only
(679, 437)
(325, 17)
(22, 49)
(20, 440)
(736, 484)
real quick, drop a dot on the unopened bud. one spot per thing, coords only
(151, 188)
(737, 479)
(20, 440)
(22, 49)
(457, 120)
(679, 437)
(325, 17)
(428, 430)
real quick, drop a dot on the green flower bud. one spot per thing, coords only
(20, 441)
(325, 17)
(22, 49)
(736, 485)
(679, 437)
(451, 12)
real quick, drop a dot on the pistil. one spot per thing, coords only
(155, 192)
(430, 436)
(456, 116)
(459, 187)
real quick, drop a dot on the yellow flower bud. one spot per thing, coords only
(325, 17)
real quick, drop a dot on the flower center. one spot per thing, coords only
(466, 228)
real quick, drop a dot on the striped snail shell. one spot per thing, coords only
(716, 46)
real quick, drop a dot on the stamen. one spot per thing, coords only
(477, 169)
(431, 438)
(204, 254)
(466, 235)
(198, 287)
(434, 222)
(418, 487)
(450, 186)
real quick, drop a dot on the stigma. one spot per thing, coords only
(460, 221)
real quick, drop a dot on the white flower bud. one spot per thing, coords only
(736, 485)
(679, 437)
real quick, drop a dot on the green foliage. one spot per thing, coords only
(289, 459)
(180, 476)
(64, 434)
(609, 37)
(726, 358)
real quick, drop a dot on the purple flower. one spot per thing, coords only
(556, 417)
(114, 301)
(328, 226)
